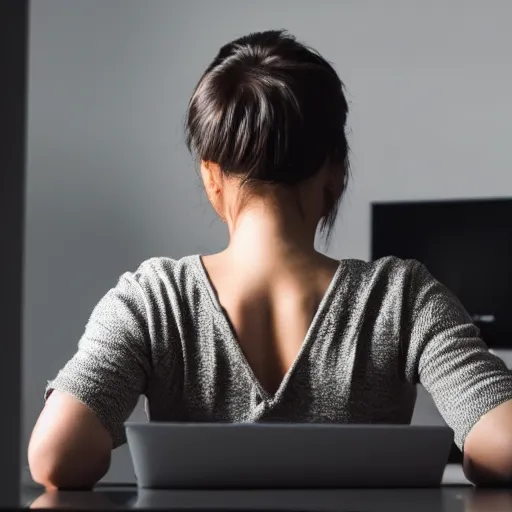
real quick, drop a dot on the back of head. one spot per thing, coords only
(269, 109)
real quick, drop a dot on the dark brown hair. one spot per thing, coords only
(270, 109)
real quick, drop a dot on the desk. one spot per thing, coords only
(454, 496)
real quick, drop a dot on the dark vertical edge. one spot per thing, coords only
(13, 109)
(372, 231)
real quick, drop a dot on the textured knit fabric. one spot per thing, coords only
(381, 328)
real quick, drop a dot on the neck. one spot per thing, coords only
(267, 238)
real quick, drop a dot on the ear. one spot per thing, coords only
(213, 184)
(337, 181)
(211, 175)
(333, 187)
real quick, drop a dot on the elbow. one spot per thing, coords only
(69, 447)
(53, 477)
(50, 478)
(54, 470)
(487, 476)
(489, 468)
(488, 448)
(42, 469)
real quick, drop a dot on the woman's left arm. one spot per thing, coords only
(471, 387)
(488, 448)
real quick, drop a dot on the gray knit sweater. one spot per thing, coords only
(381, 328)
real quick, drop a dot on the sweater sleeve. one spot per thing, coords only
(450, 359)
(111, 367)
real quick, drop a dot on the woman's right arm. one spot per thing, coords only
(95, 393)
(69, 448)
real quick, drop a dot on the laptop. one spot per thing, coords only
(286, 456)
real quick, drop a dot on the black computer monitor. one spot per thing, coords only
(465, 244)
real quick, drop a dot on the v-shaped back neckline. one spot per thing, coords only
(233, 339)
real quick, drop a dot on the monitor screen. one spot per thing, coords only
(466, 245)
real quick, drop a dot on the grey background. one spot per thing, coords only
(110, 182)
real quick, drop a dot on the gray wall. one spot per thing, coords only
(110, 182)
